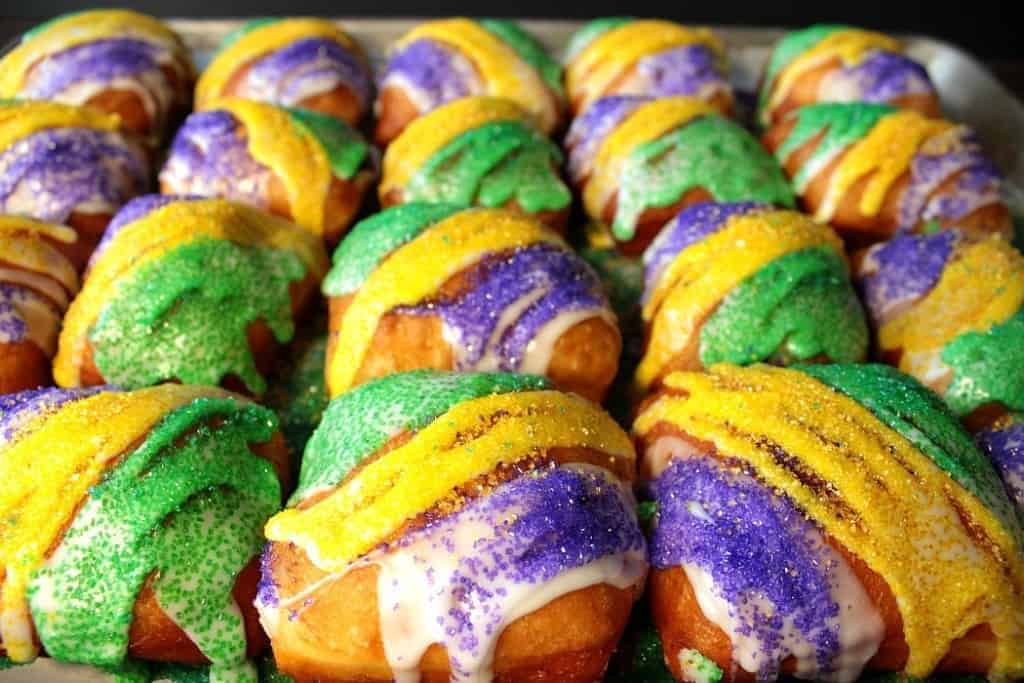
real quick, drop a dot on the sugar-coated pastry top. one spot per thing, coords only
(76, 56)
(522, 297)
(953, 306)
(159, 482)
(288, 62)
(402, 257)
(56, 159)
(234, 149)
(624, 56)
(648, 152)
(476, 150)
(37, 281)
(475, 496)
(748, 281)
(173, 286)
(443, 60)
(1003, 443)
(872, 68)
(872, 459)
(885, 144)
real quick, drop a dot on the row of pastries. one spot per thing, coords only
(329, 406)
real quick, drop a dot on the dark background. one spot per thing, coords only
(982, 27)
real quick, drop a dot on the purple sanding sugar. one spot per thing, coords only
(305, 68)
(50, 174)
(133, 211)
(881, 77)
(691, 225)
(589, 129)
(17, 409)
(210, 157)
(958, 150)
(266, 590)
(565, 284)
(754, 544)
(12, 326)
(433, 70)
(687, 70)
(100, 61)
(1005, 447)
(904, 269)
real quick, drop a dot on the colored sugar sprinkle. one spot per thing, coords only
(360, 421)
(133, 211)
(186, 315)
(765, 559)
(528, 49)
(51, 174)
(552, 279)
(988, 367)
(100, 61)
(303, 69)
(1004, 445)
(438, 74)
(18, 410)
(589, 130)
(800, 306)
(880, 77)
(155, 511)
(691, 70)
(904, 269)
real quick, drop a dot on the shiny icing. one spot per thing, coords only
(762, 572)
(36, 282)
(412, 273)
(231, 150)
(929, 302)
(666, 59)
(64, 518)
(894, 466)
(56, 160)
(505, 59)
(233, 262)
(661, 149)
(290, 59)
(375, 500)
(718, 253)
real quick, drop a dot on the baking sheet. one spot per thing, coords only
(970, 94)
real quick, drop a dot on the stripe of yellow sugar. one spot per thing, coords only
(428, 134)
(417, 270)
(646, 123)
(21, 119)
(502, 70)
(981, 286)
(257, 43)
(295, 156)
(703, 273)
(77, 29)
(154, 235)
(408, 481)
(848, 45)
(905, 520)
(22, 246)
(47, 470)
(614, 52)
(884, 154)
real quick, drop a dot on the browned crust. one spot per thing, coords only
(805, 91)
(682, 624)
(858, 229)
(262, 344)
(23, 365)
(651, 221)
(584, 359)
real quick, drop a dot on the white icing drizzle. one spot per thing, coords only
(424, 100)
(42, 284)
(40, 318)
(537, 356)
(660, 454)
(490, 361)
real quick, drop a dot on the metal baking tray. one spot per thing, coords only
(970, 94)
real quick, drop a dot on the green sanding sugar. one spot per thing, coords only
(345, 149)
(185, 315)
(360, 421)
(373, 238)
(188, 506)
(799, 306)
(917, 414)
(491, 165)
(527, 47)
(988, 367)
(791, 46)
(710, 152)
